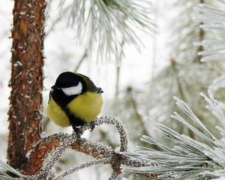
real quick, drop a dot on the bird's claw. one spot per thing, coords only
(92, 126)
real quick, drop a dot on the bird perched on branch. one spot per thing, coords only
(74, 100)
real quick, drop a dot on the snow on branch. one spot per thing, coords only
(58, 143)
(110, 22)
(188, 159)
(91, 163)
(120, 128)
(213, 20)
(57, 154)
(4, 168)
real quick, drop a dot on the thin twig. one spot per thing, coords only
(114, 176)
(119, 125)
(85, 54)
(85, 165)
(57, 154)
(118, 67)
(181, 89)
(135, 108)
(117, 80)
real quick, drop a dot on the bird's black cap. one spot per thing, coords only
(67, 79)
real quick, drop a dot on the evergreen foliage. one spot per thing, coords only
(111, 23)
(212, 19)
(187, 159)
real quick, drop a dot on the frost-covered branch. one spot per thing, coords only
(120, 128)
(110, 22)
(5, 168)
(57, 154)
(46, 145)
(188, 159)
(212, 20)
(91, 163)
(183, 31)
(61, 141)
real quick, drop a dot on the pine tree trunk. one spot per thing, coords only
(26, 81)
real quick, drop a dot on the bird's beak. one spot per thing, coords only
(100, 91)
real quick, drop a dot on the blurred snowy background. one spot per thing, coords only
(143, 85)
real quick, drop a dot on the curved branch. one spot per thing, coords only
(62, 141)
(57, 154)
(119, 125)
(49, 143)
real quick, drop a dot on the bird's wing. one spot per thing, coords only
(90, 85)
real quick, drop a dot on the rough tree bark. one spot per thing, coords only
(26, 80)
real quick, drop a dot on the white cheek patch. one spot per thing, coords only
(74, 90)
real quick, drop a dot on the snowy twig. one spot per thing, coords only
(135, 109)
(212, 20)
(118, 124)
(62, 141)
(47, 144)
(114, 176)
(57, 154)
(7, 168)
(104, 153)
(85, 54)
(91, 163)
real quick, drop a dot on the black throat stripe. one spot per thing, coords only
(63, 100)
(74, 120)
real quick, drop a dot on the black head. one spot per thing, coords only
(70, 84)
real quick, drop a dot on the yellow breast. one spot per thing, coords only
(86, 106)
(56, 114)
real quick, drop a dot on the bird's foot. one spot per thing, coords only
(92, 126)
(78, 130)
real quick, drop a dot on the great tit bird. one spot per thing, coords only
(74, 100)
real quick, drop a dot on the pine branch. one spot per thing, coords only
(85, 54)
(57, 154)
(211, 19)
(110, 22)
(184, 31)
(61, 141)
(135, 108)
(188, 159)
(6, 170)
(181, 89)
(46, 145)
